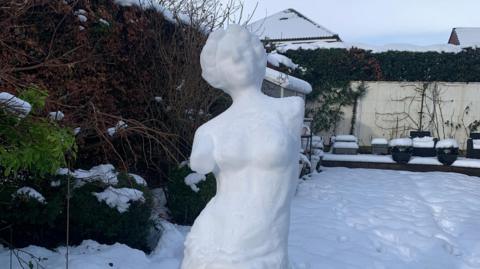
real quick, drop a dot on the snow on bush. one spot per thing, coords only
(104, 22)
(193, 179)
(304, 160)
(119, 198)
(81, 14)
(447, 143)
(138, 179)
(14, 105)
(401, 142)
(56, 116)
(104, 173)
(423, 142)
(146, 4)
(113, 130)
(277, 59)
(379, 141)
(30, 193)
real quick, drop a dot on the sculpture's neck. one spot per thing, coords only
(247, 94)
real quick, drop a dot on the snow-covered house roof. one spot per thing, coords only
(290, 25)
(465, 36)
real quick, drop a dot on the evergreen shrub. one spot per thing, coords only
(44, 224)
(91, 219)
(184, 204)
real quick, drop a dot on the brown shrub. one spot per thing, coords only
(98, 74)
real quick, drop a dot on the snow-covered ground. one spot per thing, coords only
(341, 218)
(371, 158)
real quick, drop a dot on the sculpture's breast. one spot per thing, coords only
(258, 139)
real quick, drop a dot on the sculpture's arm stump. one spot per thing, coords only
(201, 159)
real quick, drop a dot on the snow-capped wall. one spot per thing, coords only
(378, 110)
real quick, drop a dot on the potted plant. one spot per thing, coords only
(424, 146)
(379, 146)
(345, 144)
(401, 149)
(447, 151)
(473, 146)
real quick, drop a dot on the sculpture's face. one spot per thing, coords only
(233, 60)
(239, 71)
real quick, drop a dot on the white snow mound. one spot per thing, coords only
(423, 142)
(56, 116)
(14, 105)
(193, 179)
(401, 142)
(277, 59)
(30, 193)
(447, 143)
(379, 141)
(119, 198)
(104, 173)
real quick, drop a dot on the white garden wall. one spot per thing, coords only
(391, 109)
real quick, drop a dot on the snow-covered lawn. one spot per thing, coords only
(341, 218)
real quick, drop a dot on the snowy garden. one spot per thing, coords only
(341, 218)
(171, 134)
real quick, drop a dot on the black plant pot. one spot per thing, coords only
(447, 156)
(402, 154)
(424, 152)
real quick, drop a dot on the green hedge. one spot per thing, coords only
(44, 224)
(183, 203)
(34, 143)
(325, 68)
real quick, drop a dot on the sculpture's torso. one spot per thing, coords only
(245, 226)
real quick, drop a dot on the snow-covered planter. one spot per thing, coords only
(379, 146)
(447, 151)
(345, 144)
(344, 138)
(401, 149)
(473, 146)
(424, 146)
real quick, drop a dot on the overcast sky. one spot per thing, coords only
(420, 22)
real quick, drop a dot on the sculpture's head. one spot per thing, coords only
(233, 59)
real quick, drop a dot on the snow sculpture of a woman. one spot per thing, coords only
(252, 148)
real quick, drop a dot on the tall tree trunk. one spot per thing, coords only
(354, 116)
